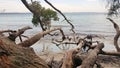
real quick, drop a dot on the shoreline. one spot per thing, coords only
(46, 41)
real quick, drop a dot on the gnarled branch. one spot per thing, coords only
(117, 34)
(92, 57)
(35, 38)
(13, 35)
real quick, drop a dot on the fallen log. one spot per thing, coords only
(68, 60)
(92, 57)
(14, 56)
(110, 53)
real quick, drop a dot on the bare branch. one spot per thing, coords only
(110, 53)
(61, 14)
(114, 24)
(34, 12)
(24, 36)
(117, 34)
(13, 35)
(4, 31)
(35, 38)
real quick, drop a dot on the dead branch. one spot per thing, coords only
(14, 56)
(25, 36)
(117, 34)
(4, 31)
(92, 57)
(35, 38)
(110, 53)
(13, 35)
(68, 58)
(72, 26)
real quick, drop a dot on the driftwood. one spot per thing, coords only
(14, 34)
(92, 57)
(71, 56)
(21, 56)
(14, 56)
(35, 38)
(68, 61)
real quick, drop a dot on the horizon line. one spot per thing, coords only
(57, 12)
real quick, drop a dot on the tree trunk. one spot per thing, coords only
(69, 57)
(33, 11)
(92, 57)
(27, 6)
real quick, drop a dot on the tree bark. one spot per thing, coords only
(92, 57)
(68, 60)
(14, 56)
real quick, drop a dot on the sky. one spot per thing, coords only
(63, 5)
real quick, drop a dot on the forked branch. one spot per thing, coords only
(14, 34)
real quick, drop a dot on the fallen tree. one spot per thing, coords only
(92, 57)
(20, 55)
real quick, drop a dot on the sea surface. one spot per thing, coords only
(85, 23)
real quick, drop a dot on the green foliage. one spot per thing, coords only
(35, 20)
(46, 15)
(36, 7)
(49, 14)
(114, 7)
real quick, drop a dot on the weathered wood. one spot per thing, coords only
(15, 56)
(92, 57)
(4, 31)
(13, 35)
(110, 53)
(35, 38)
(68, 58)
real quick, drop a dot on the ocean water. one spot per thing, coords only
(85, 23)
